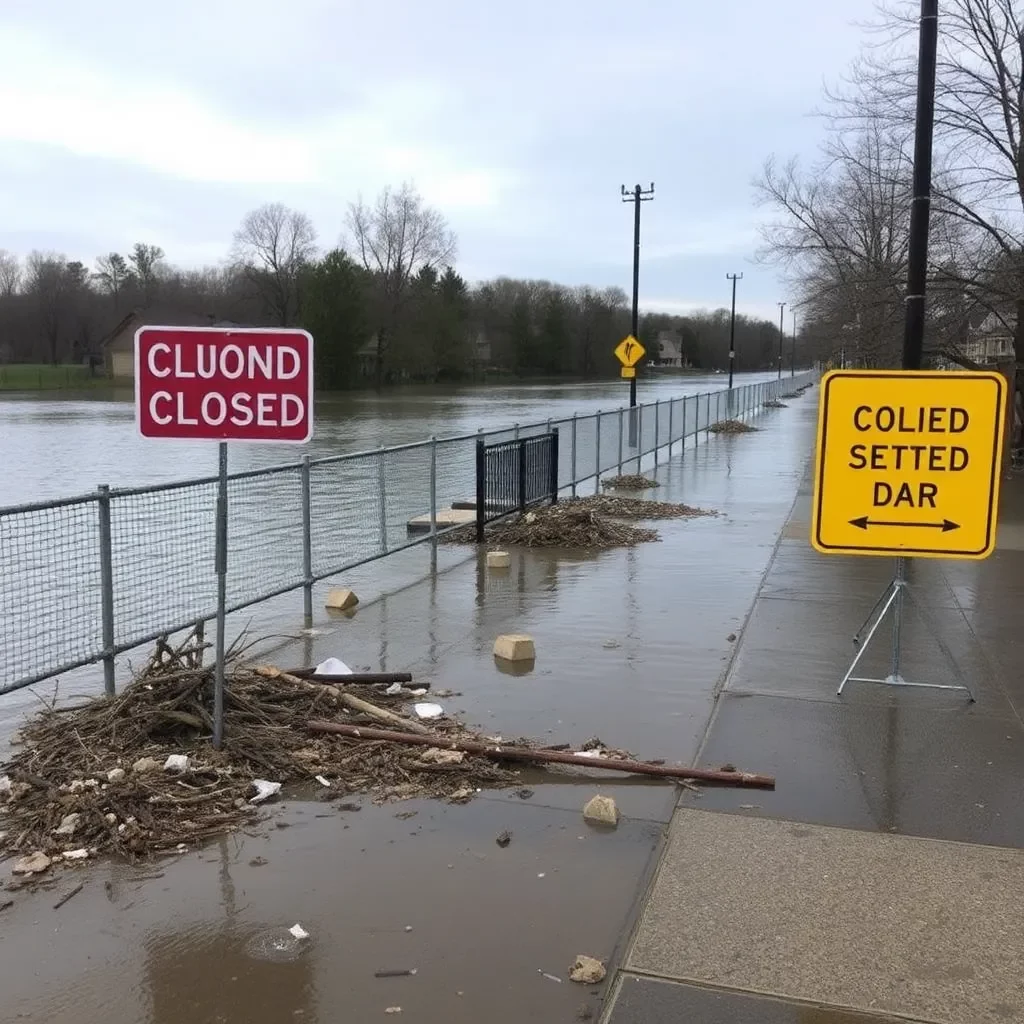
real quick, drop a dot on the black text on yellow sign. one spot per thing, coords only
(908, 463)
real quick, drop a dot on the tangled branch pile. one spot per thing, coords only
(731, 427)
(775, 404)
(92, 777)
(593, 523)
(630, 482)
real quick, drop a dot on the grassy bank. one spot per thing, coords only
(44, 377)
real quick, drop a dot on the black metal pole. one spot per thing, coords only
(917, 257)
(481, 489)
(782, 334)
(636, 197)
(792, 346)
(732, 324)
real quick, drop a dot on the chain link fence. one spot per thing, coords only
(87, 578)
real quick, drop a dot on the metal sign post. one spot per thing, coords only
(221, 565)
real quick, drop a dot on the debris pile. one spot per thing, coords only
(592, 523)
(731, 427)
(137, 774)
(775, 404)
(630, 482)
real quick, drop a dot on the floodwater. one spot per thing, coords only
(632, 647)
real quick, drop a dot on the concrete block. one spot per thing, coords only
(515, 647)
(601, 810)
(498, 559)
(340, 599)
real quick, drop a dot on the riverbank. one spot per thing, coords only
(631, 646)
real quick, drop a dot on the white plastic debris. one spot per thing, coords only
(76, 786)
(264, 790)
(393, 1009)
(298, 932)
(427, 710)
(332, 667)
(394, 689)
(436, 755)
(176, 763)
(323, 781)
(116, 775)
(419, 692)
(81, 854)
(5, 785)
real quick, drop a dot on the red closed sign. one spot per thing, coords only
(244, 384)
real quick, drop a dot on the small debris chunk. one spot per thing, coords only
(81, 854)
(460, 796)
(515, 647)
(339, 599)
(425, 709)
(731, 427)
(504, 838)
(393, 1009)
(116, 775)
(584, 1013)
(498, 560)
(601, 810)
(33, 864)
(437, 755)
(298, 932)
(264, 790)
(394, 690)
(146, 764)
(176, 763)
(731, 638)
(332, 667)
(587, 971)
(524, 793)
(68, 825)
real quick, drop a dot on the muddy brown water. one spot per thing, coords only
(632, 645)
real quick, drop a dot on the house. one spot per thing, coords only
(990, 343)
(670, 349)
(118, 345)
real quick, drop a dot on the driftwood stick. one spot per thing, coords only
(499, 752)
(348, 699)
(350, 677)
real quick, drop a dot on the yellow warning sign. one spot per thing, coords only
(908, 463)
(629, 351)
(628, 371)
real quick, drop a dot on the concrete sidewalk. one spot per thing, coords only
(881, 876)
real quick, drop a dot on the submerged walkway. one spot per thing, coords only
(883, 875)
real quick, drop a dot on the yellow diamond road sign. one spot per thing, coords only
(629, 351)
(908, 463)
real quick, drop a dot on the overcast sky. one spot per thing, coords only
(127, 121)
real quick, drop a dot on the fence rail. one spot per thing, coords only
(87, 578)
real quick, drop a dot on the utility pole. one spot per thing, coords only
(782, 334)
(792, 346)
(636, 197)
(920, 207)
(732, 324)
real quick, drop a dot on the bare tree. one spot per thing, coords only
(10, 273)
(113, 275)
(271, 248)
(979, 123)
(146, 266)
(48, 281)
(396, 239)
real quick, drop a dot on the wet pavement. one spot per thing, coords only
(633, 645)
(798, 909)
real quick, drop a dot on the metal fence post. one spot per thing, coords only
(481, 488)
(671, 425)
(597, 449)
(620, 440)
(383, 510)
(572, 456)
(521, 467)
(106, 589)
(657, 420)
(639, 410)
(307, 545)
(515, 431)
(553, 483)
(433, 503)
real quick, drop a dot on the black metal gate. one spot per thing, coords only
(512, 475)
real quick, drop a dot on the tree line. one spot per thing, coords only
(839, 228)
(386, 306)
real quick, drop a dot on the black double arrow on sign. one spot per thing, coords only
(863, 522)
